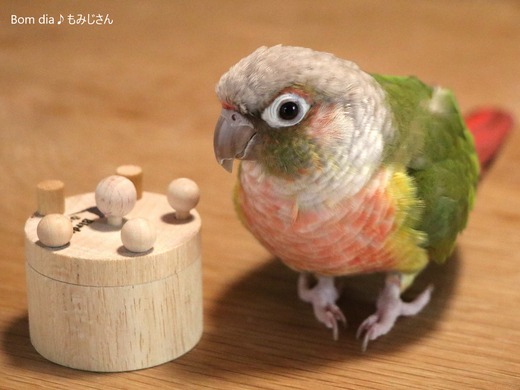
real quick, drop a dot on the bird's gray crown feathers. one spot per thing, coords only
(254, 81)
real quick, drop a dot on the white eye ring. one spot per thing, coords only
(286, 110)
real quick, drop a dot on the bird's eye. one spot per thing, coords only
(286, 110)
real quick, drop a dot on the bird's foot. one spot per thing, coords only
(389, 308)
(323, 297)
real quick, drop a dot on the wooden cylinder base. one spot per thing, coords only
(93, 305)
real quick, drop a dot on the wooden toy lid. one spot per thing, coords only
(96, 256)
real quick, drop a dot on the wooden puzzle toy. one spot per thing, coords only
(114, 276)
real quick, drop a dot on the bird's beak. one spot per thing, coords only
(235, 137)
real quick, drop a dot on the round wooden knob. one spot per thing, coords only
(54, 230)
(115, 197)
(183, 195)
(138, 235)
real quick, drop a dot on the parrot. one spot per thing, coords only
(344, 172)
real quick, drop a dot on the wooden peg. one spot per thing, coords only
(115, 197)
(183, 195)
(50, 197)
(134, 173)
(138, 235)
(54, 230)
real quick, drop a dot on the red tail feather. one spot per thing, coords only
(490, 128)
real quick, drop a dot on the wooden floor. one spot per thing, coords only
(78, 100)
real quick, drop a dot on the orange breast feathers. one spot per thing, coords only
(370, 231)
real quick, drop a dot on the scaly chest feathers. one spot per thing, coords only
(331, 231)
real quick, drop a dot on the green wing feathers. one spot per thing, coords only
(433, 142)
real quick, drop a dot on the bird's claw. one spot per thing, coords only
(389, 308)
(372, 330)
(330, 316)
(323, 298)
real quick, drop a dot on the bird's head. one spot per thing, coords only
(290, 109)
